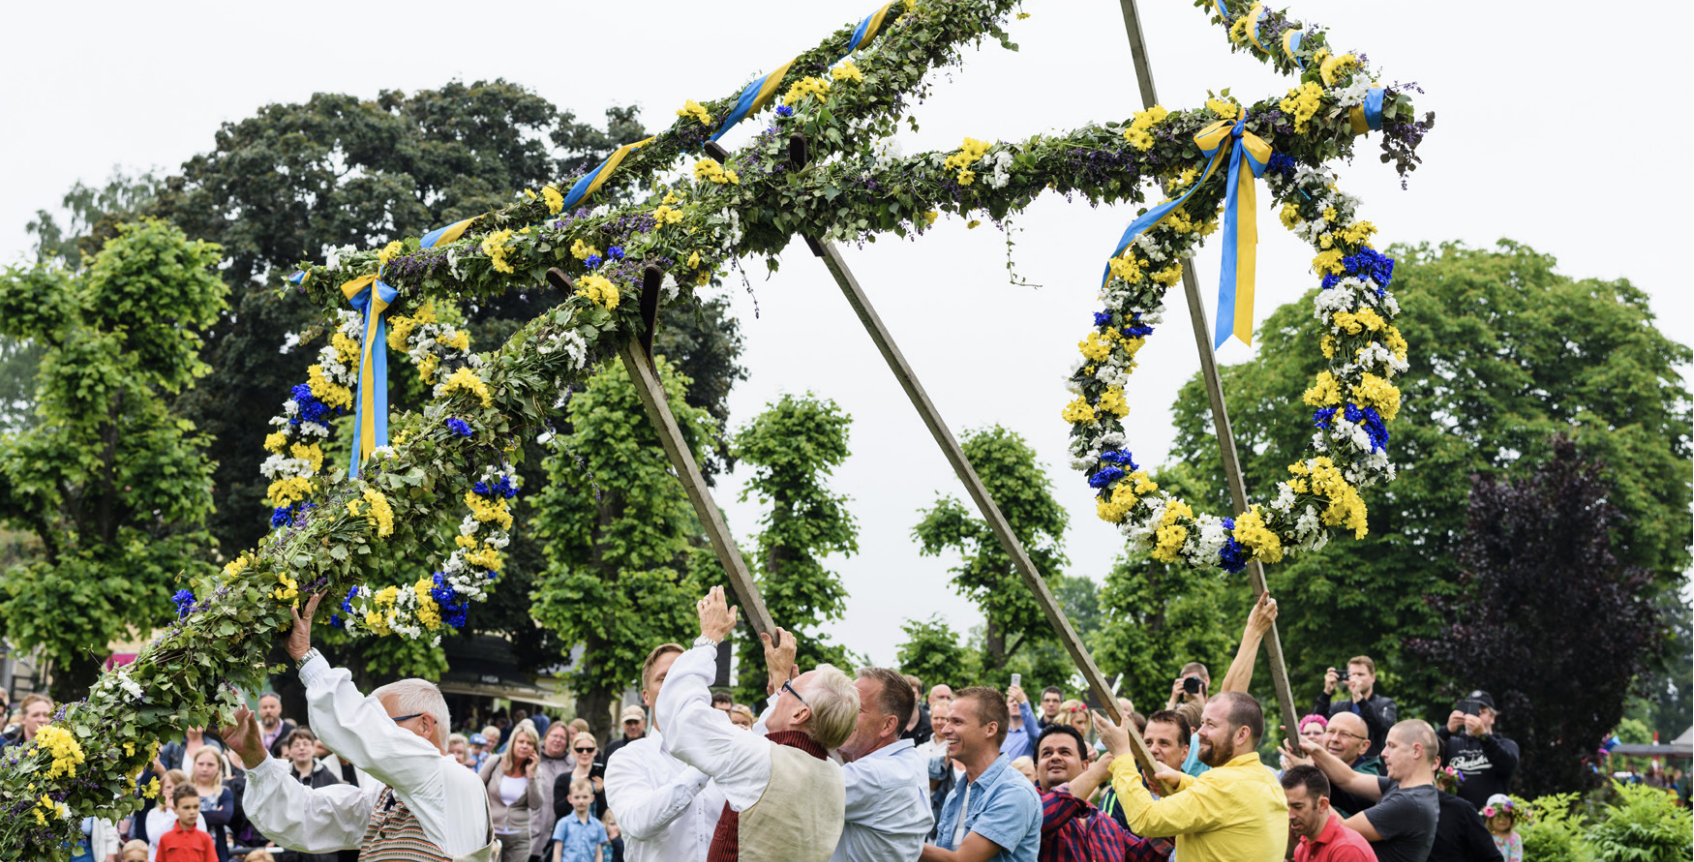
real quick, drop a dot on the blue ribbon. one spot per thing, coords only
(1236, 243)
(370, 401)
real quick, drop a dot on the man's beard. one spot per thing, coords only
(1216, 754)
(270, 722)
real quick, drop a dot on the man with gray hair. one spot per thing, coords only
(784, 797)
(427, 806)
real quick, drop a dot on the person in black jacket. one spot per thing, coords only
(301, 748)
(1460, 834)
(1378, 712)
(1469, 744)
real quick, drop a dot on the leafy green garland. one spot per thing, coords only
(88, 759)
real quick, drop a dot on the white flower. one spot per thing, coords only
(334, 254)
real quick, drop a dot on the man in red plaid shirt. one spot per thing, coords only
(1071, 829)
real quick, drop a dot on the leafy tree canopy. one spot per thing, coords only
(114, 486)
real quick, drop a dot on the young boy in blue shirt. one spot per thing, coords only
(578, 836)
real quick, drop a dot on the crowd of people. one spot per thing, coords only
(855, 767)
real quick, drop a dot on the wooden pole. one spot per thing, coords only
(938, 429)
(1214, 384)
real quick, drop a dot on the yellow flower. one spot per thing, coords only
(1325, 391)
(1168, 276)
(389, 251)
(967, 177)
(286, 492)
(710, 169)
(399, 329)
(583, 251)
(602, 292)
(63, 747)
(670, 198)
(381, 514)
(485, 510)
(1022, 15)
(930, 217)
(151, 791)
(815, 87)
(694, 259)
(1358, 234)
(1078, 411)
(465, 380)
(1394, 341)
(235, 567)
(1373, 391)
(1303, 104)
(847, 72)
(1328, 346)
(664, 215)
(1182, 180)
(1139, 132)
(694, 109)
(494, 245)
(1113, 402)
(429, 613)
(555, 200)
(1122, 500)
(485, 557)
(346, 349)
(1224, 110)
(1170, 542)
(1251, 532)
(332, 394)
(1346, 507)
(1125, 266)
(1329, 263)
(426, 368)
(311, 453)
(1096, 348)
(276, 442)
(1332, 67)
(970, 152)
(458, 339)
(287, 590)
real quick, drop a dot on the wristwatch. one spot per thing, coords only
(705, 641)
(310, 654)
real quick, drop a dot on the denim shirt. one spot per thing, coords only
(1004, 808)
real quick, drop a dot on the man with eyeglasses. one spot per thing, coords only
(426, 807)
(784, 797)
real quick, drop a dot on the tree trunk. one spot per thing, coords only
(72, 680)
(995, 641)
(594, 706)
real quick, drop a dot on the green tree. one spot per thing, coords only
(93, 216)
(624, 548)
(932, 653)
(793, 447)
(1506, 352)
(116, 489)
(985, 575)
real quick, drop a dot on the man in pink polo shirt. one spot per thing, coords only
(1323, 837)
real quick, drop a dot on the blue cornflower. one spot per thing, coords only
(458, 426)
(282, 516)
(593, 261)
(481, 489)
(335, 622)
(504, 488)
(1330, 281)
(616, 252)
(1232, 556)
(1281, 163)
(784, 111)
(1102, 318)
(1119, 457)
(1105, 477)
(1323, 416)
(184, 602)
(1370, 263)
(452, 608)
(347, 603)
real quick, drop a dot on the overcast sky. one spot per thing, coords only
(1561, 125)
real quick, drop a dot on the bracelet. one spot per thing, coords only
(310, 654)
(705, 641)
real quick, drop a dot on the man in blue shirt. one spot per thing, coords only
(1021, 729)
(994, 815)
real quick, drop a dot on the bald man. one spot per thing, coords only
(1401, 824)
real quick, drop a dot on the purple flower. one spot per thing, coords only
(184, 602)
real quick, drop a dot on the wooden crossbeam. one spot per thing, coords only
(1214, 384)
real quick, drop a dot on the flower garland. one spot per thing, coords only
(296, 461)
(1354, 399)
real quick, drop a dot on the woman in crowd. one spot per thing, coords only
(587, 767)
(556, 760)
(217, 802)
(512, 791)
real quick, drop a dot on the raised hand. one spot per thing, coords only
(300, 638)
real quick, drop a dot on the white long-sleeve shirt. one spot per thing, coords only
(700, 736)
(666, 809)
(888, 813)
(447, 799)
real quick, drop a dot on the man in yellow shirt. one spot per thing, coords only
(1233, 813)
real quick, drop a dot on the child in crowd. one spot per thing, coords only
(186, 841)
(578, 836)
(612, 850)
(1502, 818)
(1026, 766)
(162, 818)
(135, 851)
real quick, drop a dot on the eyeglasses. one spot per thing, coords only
(790, 689)
(1345, 733)
(400, 718)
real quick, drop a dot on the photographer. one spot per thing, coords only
(1192, 685)
(1468, 743)
(1378, 712)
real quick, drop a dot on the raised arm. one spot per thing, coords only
(699, 735)
(1340, 774)
(305, 819)
(1259, 622)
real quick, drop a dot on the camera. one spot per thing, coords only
(1191, 685)
(1342, 674)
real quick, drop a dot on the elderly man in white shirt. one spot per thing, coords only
(666, 809)
(784, 797)
(887, 812)
(427, 808)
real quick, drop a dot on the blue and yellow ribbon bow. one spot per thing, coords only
(758, 94)
(1240, 225)
(371, 296)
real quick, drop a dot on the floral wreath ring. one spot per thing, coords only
(1354, 398)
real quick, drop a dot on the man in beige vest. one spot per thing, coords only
(784, 798)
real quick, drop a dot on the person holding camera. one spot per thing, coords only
(1469, 744)
(1379, 712)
